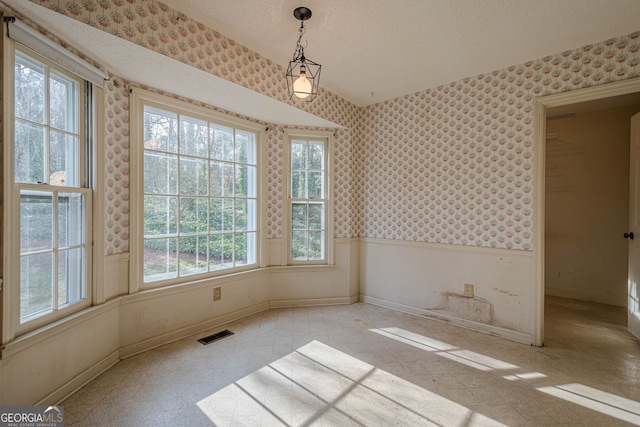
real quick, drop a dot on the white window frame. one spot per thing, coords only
(89, 186)
(139, 99)
(328, 138)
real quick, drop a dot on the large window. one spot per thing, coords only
(50, 184)
(308, 199)
(200, 195)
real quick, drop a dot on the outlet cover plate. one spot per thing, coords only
(468, 290)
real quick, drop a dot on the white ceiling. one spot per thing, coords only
(370, 50)
(373, 50)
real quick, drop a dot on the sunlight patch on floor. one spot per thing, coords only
(606, 403)
(525, 376)
(319, 384)
(448, 351)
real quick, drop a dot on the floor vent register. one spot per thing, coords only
(215, 337)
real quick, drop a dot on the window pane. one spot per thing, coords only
(160, 130)
(193, 255)
(63, 101)
(241, 249)
(298, 155)
(316, 190)
(299, 216)
(222, 143)
(160, 173)
(316, 156)
(70, 220)
(193, 215)
(194, 137)
(298, 185)
(228, 214)
(245, 213)
(221, 215)
(29, 89)
(36, 285)
(48, 149)
(245, 249)
(316, 216)
(29, 152)
(71, 276)
(308, 160)
(221, 251)
(241, 215)
(36, 221)
(252, 215)
(221, 179)
(299, 245)
(315, 245)
(252, 249)
(215, 175)
(63, 160)
(245, 181)
(160, 259)
(194, 177)
(160, 215)
(245, 147)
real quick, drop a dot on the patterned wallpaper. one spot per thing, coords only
(159, 28)
(116, 167)
(275, 181)
(454, 164)
(451, 164)
(345, 213)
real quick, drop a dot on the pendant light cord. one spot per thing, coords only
(299, 52)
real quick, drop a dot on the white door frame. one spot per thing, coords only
(539, 151)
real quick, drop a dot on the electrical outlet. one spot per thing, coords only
(468, 290)
(217, 293)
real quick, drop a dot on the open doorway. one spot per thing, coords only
(586, 217)
(596, 98)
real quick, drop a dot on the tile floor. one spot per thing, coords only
(363, 365)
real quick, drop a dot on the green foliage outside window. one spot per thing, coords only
(47, 150)
(307, 204)
(200, 196)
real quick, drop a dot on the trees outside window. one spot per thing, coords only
(51, 183)
(308, 199)
(200, 195)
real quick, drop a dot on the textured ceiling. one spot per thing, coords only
(373, 50)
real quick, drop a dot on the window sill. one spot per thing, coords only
(306, 268)
(175, 288)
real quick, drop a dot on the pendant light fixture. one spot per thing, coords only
(303, 75)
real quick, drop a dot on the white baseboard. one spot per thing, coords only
(479, 327)
(219, 321)
(313, 302)
(79, 381)
(181, 333)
